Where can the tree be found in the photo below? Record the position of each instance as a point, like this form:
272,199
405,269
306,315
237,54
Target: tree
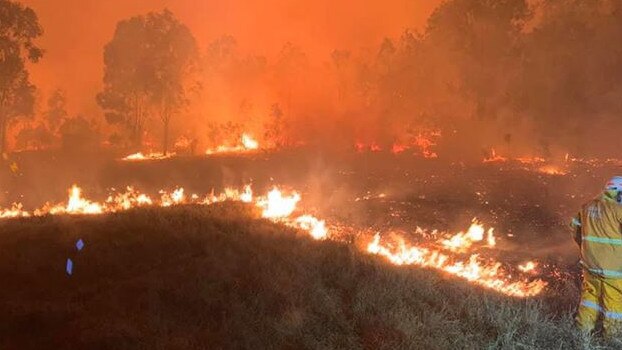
19,27
291,64
340,60
57,110
148,70
477,43
78,134
43,133
571,73
276,128
220,52
175,60
34,137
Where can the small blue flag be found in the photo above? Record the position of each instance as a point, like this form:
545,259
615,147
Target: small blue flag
69,267
80,244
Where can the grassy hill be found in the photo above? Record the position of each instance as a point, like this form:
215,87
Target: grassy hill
220,277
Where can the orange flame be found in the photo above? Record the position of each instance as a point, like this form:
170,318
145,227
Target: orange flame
487,274
148,156
445,254
494,157
277,206
246,144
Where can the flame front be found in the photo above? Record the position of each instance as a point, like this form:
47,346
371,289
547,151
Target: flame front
277,206
462,241
487,274
77,205
446,254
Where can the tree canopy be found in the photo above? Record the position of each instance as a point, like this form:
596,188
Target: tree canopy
148,73
19,28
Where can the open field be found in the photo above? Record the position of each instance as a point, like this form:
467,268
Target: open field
219,276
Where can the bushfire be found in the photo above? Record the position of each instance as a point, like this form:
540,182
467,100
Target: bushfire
245,145
442,255
452,254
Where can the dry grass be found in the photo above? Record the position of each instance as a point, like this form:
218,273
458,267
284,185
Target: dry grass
220,278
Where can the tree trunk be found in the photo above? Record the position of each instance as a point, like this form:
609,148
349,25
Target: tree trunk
135,136
166,121
3,123
166,133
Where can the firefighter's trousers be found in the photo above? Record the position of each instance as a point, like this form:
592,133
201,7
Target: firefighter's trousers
601,297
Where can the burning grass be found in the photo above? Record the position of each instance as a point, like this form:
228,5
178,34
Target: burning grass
140,156
282,208
220,276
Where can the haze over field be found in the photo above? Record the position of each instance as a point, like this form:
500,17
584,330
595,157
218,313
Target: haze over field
76,31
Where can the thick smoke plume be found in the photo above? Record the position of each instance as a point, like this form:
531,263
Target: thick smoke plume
524,77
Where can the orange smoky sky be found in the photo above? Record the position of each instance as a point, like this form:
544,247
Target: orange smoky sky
75,31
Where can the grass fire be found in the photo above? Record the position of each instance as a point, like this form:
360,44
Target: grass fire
399,174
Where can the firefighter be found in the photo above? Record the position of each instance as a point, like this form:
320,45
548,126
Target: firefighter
598,233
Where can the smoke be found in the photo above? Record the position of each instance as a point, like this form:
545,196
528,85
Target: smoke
74,41
524,77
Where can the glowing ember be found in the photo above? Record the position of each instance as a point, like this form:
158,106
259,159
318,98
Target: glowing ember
149,156
316,228
551,170
494,157
462,241
530,160
247,144
398,148
529,266
425,142
421,143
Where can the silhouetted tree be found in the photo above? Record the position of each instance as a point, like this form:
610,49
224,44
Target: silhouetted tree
44,132
19,27
56,110
479,41
34,137
275,128
148,66
78,134
291,63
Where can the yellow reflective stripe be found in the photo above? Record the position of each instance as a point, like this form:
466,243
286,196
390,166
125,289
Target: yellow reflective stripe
612,241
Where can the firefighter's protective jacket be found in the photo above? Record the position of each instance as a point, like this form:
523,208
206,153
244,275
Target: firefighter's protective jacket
598,231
